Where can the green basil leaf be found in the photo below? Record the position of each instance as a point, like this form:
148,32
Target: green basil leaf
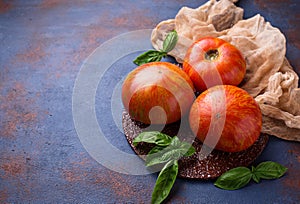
269,170
166,154
152,156
174,151
175,142
159,157
190,150
155,149
254,177
170,41
234,179
156,56
184,148
154,137
165,182
149,56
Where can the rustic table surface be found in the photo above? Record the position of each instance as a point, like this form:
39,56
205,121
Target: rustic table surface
43,45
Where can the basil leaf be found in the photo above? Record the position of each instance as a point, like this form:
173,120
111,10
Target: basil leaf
155,150
184,148
254,176
149,56
269,170
190,149
159,157
170,41
174,151
165,182
175,141
154,137
154,55
234,179
166,154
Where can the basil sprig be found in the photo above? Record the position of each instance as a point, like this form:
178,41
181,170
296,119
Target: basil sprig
156,55
174,151
239,177
168,151
154,137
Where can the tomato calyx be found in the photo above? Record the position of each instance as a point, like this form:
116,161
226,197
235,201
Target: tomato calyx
211,55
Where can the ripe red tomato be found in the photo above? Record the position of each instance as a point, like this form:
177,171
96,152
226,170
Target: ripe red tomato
157,93
213,61
226,117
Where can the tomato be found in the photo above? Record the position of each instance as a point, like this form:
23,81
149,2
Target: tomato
213,61
157,93
226,117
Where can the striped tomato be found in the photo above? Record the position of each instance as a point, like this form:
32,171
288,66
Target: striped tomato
226,117
157,93
213,61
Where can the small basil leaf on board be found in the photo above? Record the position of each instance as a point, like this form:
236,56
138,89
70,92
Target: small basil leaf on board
165,182
175,141
170,41
149,56
154,137
174,151
159,157
183,148
269,170
155,149
234,179
190,150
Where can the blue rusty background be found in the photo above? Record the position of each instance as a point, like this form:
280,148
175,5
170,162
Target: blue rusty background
42,47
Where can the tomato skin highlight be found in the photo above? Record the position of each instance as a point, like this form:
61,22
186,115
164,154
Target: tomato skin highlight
157,93
239,112
213,61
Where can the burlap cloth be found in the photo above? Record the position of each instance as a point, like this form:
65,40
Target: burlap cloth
270,79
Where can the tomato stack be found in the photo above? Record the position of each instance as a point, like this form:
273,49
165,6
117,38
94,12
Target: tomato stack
222,116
